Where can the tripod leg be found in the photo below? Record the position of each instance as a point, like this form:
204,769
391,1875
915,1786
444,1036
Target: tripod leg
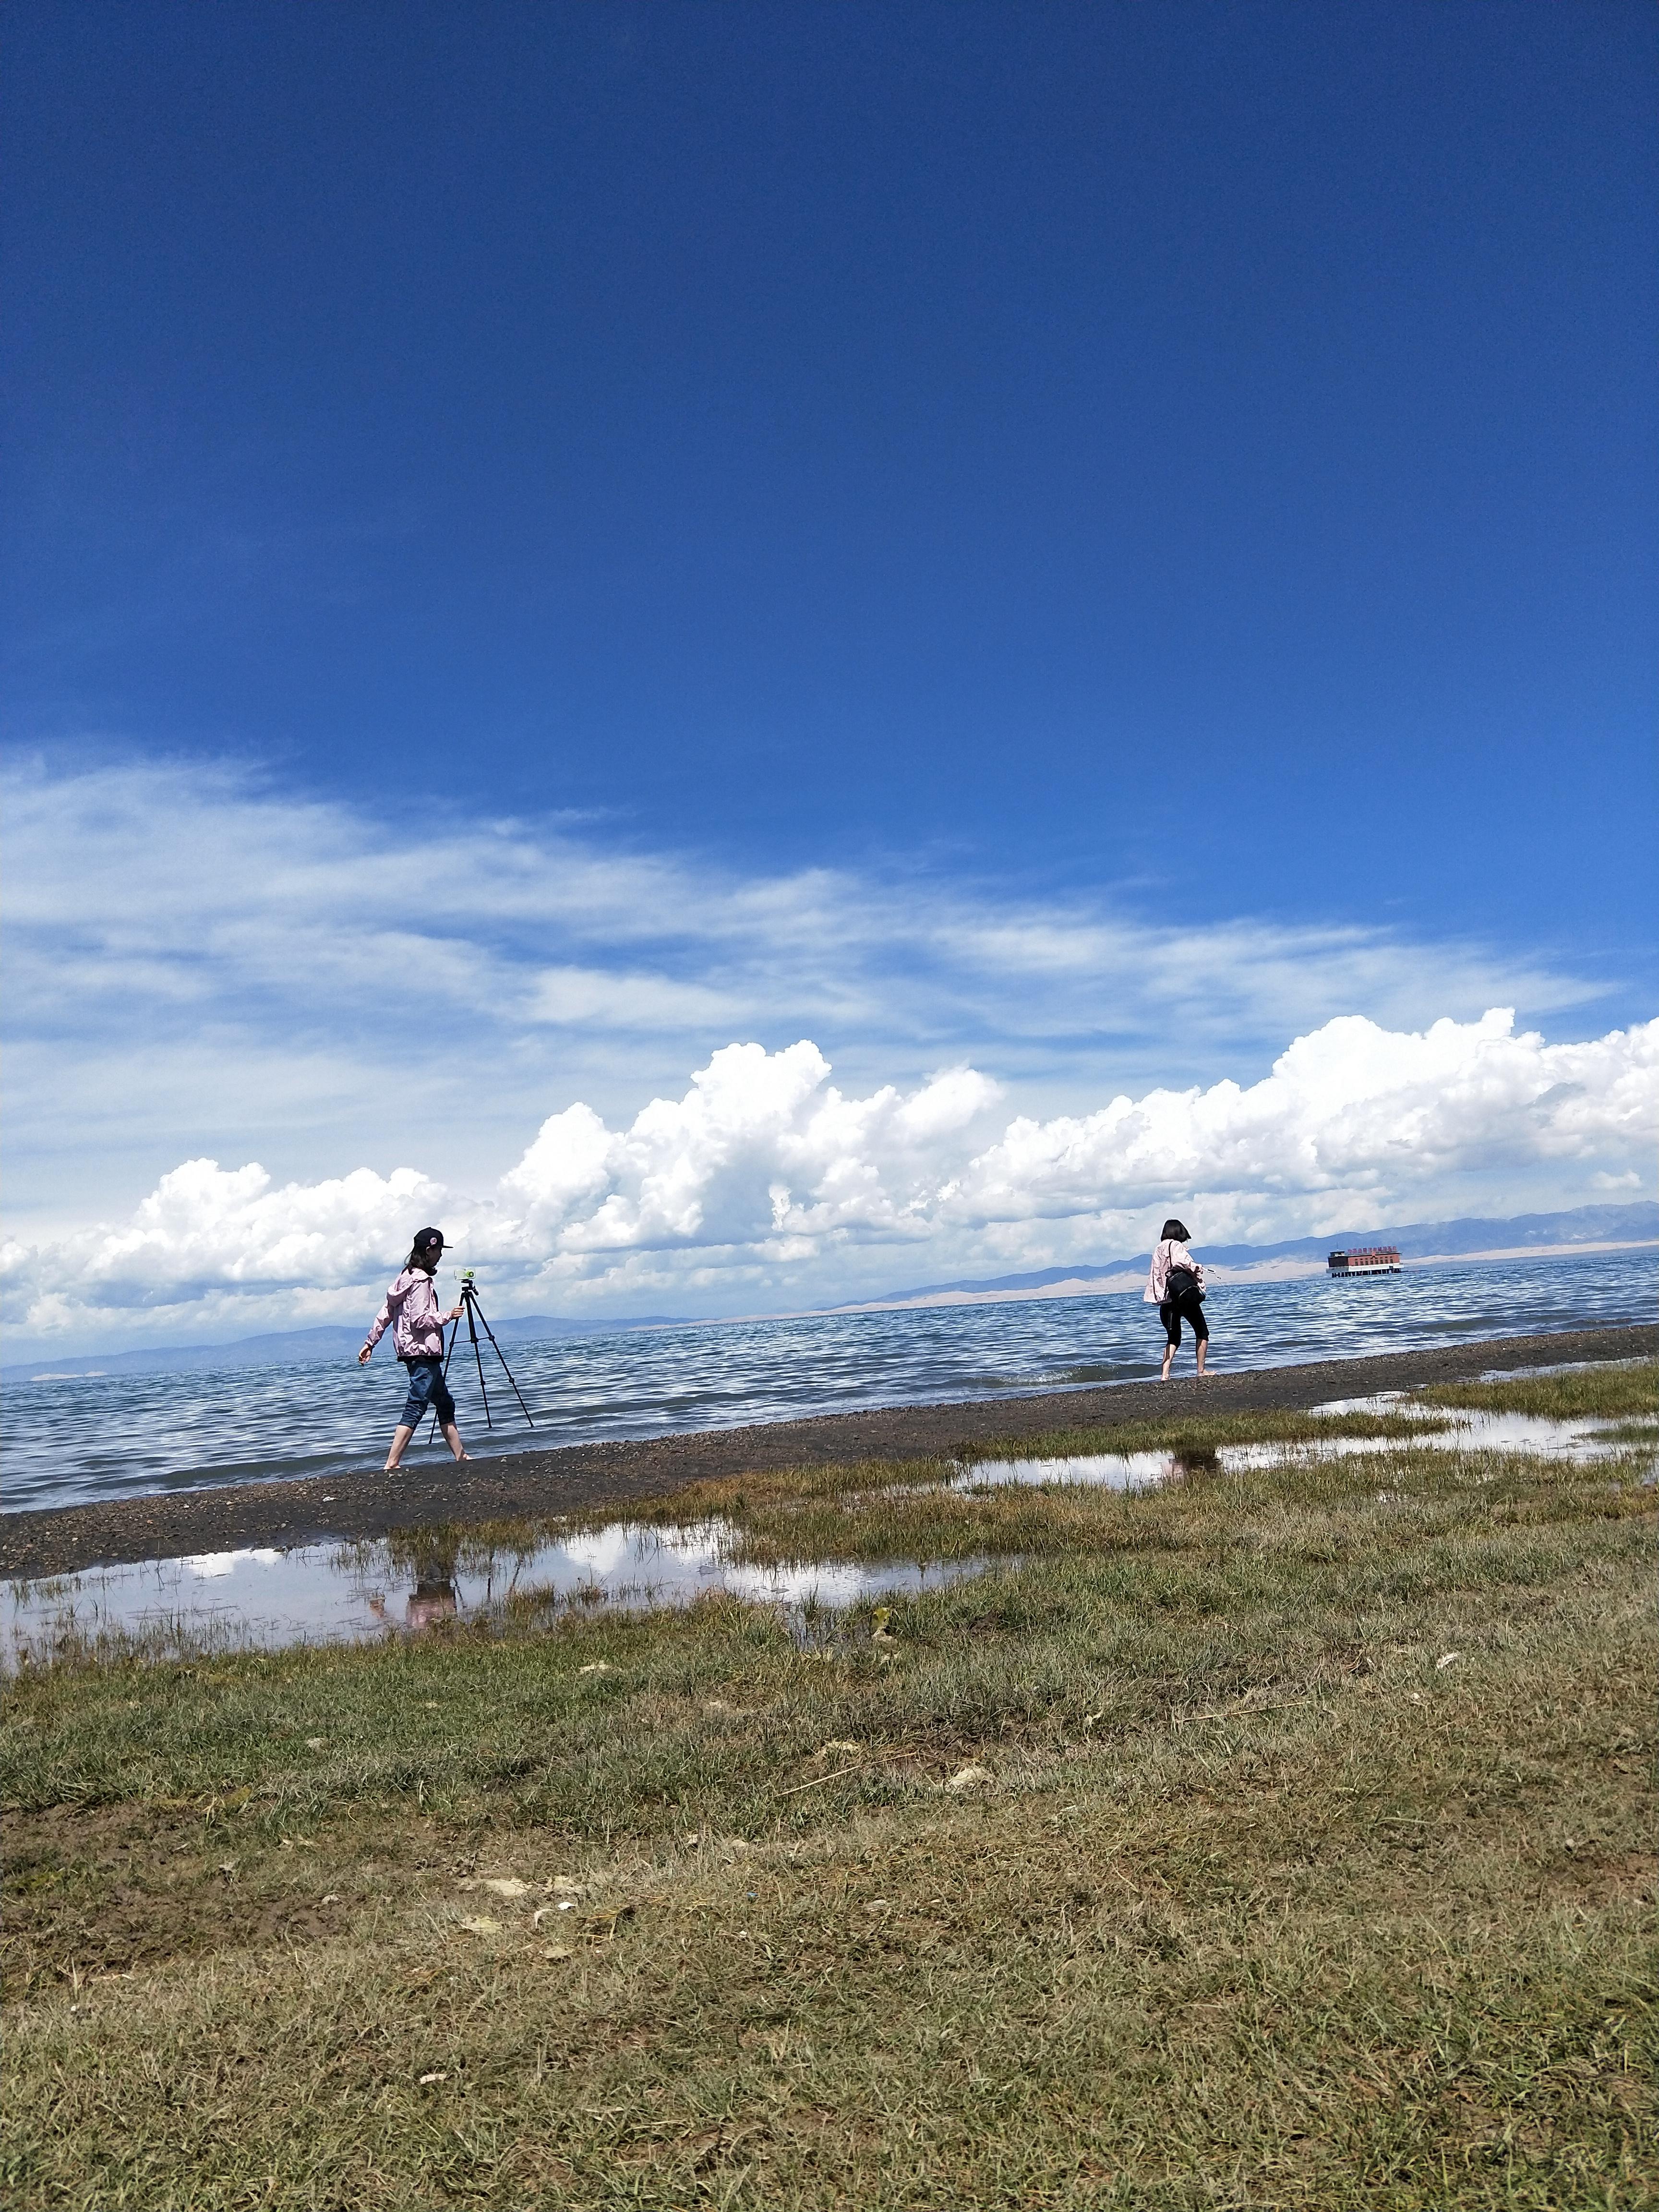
505,1369
472,1331
449,1348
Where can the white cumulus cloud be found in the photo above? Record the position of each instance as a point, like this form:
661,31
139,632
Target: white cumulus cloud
1355,1110
764,1182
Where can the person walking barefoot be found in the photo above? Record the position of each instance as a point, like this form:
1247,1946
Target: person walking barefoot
1175,1285
410,1308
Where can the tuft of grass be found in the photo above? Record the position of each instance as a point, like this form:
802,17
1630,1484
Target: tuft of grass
1620,1389
1270,1840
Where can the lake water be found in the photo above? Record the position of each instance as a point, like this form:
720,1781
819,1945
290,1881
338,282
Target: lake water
76,1438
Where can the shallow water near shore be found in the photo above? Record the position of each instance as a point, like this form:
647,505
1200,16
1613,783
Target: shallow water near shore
364,1593
1579,1441
263,1597
71,1440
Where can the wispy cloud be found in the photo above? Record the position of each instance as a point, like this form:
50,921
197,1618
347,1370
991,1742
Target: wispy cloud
201,961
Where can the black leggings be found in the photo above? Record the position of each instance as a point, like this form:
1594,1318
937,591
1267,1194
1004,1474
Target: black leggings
1192,1306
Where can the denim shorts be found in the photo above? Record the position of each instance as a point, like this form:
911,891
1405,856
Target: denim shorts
427,1393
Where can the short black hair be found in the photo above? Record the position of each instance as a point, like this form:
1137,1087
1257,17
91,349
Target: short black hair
1177,1229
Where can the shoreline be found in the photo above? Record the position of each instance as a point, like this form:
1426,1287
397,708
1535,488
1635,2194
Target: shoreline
319,1510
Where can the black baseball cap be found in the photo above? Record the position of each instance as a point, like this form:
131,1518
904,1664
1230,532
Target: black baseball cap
426,1238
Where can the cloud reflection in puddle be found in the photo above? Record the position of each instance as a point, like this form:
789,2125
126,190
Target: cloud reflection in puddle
261,1597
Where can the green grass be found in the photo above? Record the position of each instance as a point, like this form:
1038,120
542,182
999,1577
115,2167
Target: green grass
1628,1387
914,1509
1264,1898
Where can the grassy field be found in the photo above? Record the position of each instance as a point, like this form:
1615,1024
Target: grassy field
1281,1838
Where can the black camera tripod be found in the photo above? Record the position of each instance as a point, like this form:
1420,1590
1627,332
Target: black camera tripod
474,1315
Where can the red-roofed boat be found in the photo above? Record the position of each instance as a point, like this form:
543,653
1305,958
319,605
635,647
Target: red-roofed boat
1368,1260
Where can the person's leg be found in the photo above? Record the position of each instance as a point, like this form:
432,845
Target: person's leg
423,1373
444,1406
1171,1318
1201,1331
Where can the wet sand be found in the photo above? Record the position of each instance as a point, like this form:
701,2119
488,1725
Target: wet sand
65,1539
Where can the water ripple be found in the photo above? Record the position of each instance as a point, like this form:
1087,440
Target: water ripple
72,1439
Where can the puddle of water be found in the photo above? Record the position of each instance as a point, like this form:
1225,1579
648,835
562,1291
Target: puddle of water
1559,1367
1108,1470
1444,1430
262,1599
1453,1429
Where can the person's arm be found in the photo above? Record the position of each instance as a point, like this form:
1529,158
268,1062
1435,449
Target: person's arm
443,1319
377,1330
427,1309
382,1321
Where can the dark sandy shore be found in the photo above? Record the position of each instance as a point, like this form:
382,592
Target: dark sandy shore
67,1539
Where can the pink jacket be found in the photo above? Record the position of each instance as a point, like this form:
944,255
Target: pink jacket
1165,1255
412,1306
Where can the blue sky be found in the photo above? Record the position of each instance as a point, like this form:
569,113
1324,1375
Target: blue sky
1087,541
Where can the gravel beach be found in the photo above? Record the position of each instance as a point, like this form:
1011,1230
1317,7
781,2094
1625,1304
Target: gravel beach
585,1477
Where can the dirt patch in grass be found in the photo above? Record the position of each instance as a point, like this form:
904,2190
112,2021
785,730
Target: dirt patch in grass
92,1890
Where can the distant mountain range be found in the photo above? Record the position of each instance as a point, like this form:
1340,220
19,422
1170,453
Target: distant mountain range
297,1346
1584,1224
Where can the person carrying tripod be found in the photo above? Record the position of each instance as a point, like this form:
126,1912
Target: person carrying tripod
417,1336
